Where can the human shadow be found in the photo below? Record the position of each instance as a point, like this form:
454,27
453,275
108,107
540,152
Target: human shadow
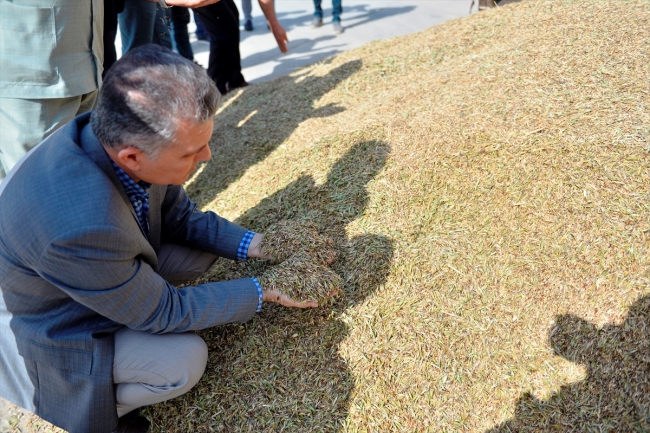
303,52
258,122
281,371
615,395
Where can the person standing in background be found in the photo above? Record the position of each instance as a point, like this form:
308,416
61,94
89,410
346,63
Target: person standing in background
52,66
180,35
247,8
162,27
137,22
51,70
221,21
170,30
200,33
337,9
111,9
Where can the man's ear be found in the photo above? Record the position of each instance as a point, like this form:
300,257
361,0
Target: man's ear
131,158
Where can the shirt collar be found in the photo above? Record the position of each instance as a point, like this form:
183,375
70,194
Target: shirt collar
132,188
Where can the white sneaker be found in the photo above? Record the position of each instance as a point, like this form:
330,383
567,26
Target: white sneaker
316,22
338,29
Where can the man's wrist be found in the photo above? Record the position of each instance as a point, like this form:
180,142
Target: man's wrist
244,245
260,294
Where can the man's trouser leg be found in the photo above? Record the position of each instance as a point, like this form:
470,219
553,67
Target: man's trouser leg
318,10
26,122
247,9
161,28
337,10
151,368
181,38
136,23
221,21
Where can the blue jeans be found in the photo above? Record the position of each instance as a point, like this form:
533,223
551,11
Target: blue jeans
161,28
337,10
136,23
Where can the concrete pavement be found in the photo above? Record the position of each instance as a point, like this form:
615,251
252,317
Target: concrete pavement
363,20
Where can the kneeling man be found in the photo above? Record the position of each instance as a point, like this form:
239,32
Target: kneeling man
95,232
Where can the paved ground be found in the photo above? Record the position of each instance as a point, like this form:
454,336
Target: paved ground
364,21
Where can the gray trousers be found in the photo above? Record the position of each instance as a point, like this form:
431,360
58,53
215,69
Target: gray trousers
247,9
26,122
151,368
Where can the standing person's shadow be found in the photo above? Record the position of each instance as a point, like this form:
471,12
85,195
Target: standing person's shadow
281,371
614,397
257,122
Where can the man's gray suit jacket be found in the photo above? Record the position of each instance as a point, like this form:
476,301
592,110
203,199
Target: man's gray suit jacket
75,267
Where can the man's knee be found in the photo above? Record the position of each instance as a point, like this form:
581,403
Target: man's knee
197,360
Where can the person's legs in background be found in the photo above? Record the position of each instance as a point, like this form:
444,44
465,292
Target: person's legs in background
162,28
221,21
136,23
337,10
200,33
111,9
318,14
26,122
247,9
180,36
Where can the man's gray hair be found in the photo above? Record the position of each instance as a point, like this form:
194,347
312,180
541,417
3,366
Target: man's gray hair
145,97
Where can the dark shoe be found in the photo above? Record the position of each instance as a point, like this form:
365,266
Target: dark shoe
230,88
132,422
248,26
316,22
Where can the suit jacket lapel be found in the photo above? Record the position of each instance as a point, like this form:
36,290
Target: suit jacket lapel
156,197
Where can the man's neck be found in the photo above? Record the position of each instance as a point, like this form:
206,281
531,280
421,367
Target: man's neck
113,156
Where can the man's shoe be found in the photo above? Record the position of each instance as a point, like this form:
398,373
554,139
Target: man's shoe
338,28
316,22
248,26
132,422
230,87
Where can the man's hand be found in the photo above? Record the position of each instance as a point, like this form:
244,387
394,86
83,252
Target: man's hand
189,3
254,248
280,298
280,36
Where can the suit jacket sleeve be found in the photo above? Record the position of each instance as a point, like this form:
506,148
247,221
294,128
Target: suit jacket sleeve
125,288
183,223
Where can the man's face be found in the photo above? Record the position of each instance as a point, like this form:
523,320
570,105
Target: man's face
177,162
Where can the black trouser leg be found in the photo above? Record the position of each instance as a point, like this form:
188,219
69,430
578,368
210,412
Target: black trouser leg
221,21
111,9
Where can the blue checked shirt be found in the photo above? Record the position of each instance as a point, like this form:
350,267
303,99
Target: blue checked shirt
139,197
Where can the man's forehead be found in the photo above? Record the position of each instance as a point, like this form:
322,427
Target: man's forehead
192,135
